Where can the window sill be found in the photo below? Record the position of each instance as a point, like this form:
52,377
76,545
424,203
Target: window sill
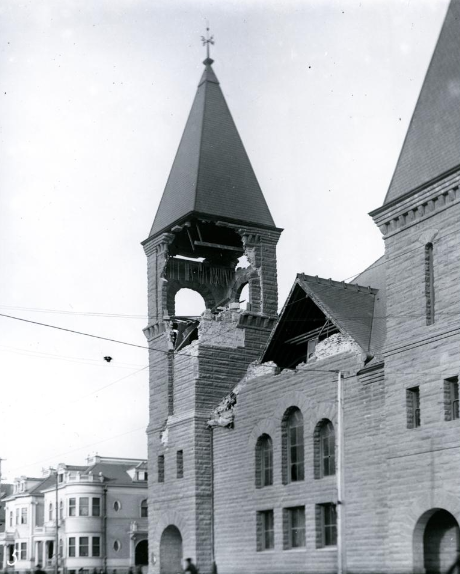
302,549
327,548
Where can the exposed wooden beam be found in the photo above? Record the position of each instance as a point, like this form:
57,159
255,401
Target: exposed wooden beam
219,246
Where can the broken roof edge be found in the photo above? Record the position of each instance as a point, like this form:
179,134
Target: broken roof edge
340,284
275,326
217,219
332,316
301,280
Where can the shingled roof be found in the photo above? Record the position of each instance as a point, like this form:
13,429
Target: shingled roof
351,307
356,309
211,174
432,144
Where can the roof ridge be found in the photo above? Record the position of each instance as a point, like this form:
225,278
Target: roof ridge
339,284
200,144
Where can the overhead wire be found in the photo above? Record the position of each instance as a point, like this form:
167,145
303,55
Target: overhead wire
374,266
398,255
151,371
77,313
407,252
230,327
75,332
52,356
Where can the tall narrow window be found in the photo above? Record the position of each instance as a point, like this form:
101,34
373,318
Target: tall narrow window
180,464
23,515
161,468
72,506
71,547
264,461
293,448
327,449
429,284
326,525
265,530
23,550
293,527
96,546
96,506
324,449
144,509
83,506
451,410
413,407
50,511
83,546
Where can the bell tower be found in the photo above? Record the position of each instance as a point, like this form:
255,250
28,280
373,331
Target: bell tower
213,233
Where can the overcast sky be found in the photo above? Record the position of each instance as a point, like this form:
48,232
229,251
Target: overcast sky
94,97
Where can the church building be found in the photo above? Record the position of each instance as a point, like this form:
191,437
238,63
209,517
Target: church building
325,438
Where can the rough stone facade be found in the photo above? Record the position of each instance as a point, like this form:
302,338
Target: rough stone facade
186,384
326,439
421,463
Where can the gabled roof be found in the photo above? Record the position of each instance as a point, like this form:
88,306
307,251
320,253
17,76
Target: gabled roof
350,307
45,484
317,308
432,144
211,174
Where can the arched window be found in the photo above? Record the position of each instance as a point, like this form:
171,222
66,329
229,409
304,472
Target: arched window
189,303
144,509
244,297
324,449
264,461
292,446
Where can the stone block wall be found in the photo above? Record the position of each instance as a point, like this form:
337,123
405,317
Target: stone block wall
203,373
261,405
421,462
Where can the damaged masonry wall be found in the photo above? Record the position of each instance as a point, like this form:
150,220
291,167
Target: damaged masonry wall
333,345
223,415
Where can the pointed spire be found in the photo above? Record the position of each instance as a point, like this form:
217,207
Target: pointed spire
208,74
211,175
432,144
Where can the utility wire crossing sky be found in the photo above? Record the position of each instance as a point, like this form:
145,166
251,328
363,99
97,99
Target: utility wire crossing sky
95,96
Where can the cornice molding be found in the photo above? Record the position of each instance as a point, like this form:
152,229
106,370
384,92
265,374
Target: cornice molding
419,206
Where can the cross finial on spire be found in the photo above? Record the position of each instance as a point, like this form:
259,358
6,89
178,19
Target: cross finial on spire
206,41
